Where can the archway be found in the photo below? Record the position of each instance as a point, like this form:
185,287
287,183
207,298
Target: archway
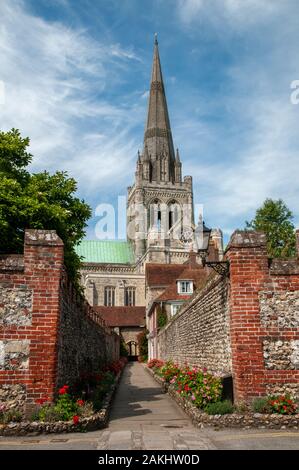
132,350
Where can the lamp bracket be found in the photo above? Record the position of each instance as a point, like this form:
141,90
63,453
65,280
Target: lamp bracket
221,267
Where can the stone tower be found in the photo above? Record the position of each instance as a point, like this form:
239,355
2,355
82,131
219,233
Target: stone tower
160,216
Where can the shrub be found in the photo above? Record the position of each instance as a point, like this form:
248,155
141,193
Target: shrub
123,352
282,404
143,344
101,390
168,371
8,416
198,385
115,367
161,317
47,413
261,405
155,364
242,407
219,408
71,406
65,405
142,358
86,409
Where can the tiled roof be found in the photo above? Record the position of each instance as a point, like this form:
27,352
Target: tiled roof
195,275
192,274
171,293
162,274
122,316
105,251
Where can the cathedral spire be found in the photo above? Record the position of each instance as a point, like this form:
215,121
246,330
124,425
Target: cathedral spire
157,136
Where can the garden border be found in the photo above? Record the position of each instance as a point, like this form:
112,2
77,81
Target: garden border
234,420
97,421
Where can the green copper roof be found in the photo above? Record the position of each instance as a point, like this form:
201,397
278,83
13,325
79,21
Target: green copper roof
105,251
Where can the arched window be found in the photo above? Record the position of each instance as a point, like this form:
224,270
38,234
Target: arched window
155,214
109,296
159,219
130,296
173,213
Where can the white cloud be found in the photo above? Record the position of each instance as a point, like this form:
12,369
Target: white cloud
55,78
261,165
248,147
233,11
189,9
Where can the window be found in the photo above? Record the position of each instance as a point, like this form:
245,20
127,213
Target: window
185,287
155,214
109,297
170,219
174,309
159,219
130,296
173,213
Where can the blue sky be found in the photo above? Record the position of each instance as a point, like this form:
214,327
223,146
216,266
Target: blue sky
76,75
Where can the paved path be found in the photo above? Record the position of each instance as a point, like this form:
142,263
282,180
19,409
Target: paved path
144,418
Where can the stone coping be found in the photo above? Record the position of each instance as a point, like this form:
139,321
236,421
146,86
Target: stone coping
234,420
98,420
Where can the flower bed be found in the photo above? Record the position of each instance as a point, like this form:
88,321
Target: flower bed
199,386
199,394
83,407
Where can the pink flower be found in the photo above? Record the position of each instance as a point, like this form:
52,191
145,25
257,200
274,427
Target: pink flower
193,398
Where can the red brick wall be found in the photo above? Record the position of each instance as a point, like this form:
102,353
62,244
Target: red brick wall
255,279
30,314
42,267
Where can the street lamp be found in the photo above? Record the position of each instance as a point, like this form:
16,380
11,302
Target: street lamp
202,236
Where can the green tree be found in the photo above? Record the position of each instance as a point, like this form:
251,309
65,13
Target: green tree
275,219
143,345
14,157
161,317
37,201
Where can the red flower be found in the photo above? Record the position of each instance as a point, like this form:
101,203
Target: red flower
63,390
80,402
41,401
76,419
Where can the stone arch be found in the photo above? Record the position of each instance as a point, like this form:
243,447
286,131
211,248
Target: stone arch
154,212
132,347
173,212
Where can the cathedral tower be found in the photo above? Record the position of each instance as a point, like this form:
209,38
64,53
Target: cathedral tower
160,204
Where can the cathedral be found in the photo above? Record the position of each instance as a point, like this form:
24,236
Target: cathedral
160,227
